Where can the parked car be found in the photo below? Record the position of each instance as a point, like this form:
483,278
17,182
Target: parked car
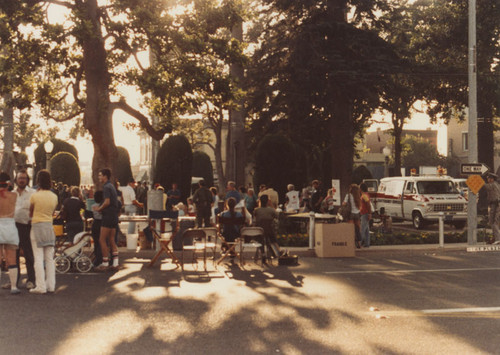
462,187
422,200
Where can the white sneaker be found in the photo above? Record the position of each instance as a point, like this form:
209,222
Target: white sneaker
38,291
497,242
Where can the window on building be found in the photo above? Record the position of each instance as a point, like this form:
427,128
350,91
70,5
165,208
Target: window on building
465,141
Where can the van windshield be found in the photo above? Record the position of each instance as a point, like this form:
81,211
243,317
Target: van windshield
436,187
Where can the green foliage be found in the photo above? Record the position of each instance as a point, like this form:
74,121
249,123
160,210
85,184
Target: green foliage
64,168
174,164
379,238
202,167
323,78
275,163
123,170
59,146
418,152
361,173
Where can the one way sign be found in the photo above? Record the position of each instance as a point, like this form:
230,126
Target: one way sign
473,169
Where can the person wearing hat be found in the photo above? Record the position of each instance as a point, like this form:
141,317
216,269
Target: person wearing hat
493,195
130,203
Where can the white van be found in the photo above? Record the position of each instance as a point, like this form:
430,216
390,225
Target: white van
422,199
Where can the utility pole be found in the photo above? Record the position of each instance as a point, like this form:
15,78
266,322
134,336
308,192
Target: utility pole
473,156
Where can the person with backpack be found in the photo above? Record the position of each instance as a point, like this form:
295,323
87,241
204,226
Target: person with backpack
203,200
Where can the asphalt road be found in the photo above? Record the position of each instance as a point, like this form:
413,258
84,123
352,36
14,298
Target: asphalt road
442,303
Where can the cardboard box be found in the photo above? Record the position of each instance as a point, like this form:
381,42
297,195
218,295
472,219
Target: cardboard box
334,240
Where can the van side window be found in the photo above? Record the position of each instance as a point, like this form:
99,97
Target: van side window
409,188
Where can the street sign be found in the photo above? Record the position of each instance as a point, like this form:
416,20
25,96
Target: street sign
475,183
473,169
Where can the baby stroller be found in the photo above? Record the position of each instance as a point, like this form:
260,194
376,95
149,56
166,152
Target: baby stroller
78,254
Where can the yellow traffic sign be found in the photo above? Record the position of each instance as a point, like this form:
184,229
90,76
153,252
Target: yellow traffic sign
475,183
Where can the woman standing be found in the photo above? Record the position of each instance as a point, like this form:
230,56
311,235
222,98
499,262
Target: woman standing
9,238
70,212
354,198
366,215
42,206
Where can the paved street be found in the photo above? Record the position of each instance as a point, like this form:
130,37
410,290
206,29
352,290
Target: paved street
429,301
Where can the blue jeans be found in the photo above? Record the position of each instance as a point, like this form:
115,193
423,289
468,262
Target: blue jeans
365,229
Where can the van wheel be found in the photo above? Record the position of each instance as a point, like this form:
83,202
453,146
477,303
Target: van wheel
459,225
418,220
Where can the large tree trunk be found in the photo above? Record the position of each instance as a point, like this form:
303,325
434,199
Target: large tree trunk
236,148
98,113
8,163
217,126
341,130
397,122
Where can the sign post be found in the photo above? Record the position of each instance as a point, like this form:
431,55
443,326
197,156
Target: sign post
472,116
474,169
475,182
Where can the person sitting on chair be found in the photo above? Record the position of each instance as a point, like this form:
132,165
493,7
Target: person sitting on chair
230,231
265,217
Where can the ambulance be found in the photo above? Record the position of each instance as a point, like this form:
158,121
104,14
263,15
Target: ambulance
422,200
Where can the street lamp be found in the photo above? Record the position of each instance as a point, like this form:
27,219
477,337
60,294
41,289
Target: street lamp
49,146
387,152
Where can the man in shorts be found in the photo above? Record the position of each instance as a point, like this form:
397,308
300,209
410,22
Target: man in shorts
110,209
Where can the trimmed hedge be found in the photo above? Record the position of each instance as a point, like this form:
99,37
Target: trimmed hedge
64,168
123,169
174,164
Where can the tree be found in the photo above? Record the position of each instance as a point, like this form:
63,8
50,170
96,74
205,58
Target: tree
361,173
123,169
418,152
174,164
202,167
324,76
87,59
403,88
64,168
275,163
440,42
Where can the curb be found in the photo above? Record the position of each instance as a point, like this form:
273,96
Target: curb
376,250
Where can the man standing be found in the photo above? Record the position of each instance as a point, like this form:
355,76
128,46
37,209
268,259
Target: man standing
317,196
130,203
493,191
203,200
231,191
173,196
272,194
109,209
23,224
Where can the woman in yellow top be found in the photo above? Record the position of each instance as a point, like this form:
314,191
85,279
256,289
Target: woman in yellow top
42,206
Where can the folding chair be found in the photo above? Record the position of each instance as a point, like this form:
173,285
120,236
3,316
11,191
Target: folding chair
194,240
211,240
230,246
252,237
161,235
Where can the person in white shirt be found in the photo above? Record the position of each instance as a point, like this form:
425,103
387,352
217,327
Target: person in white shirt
130,202
23,224
292,199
